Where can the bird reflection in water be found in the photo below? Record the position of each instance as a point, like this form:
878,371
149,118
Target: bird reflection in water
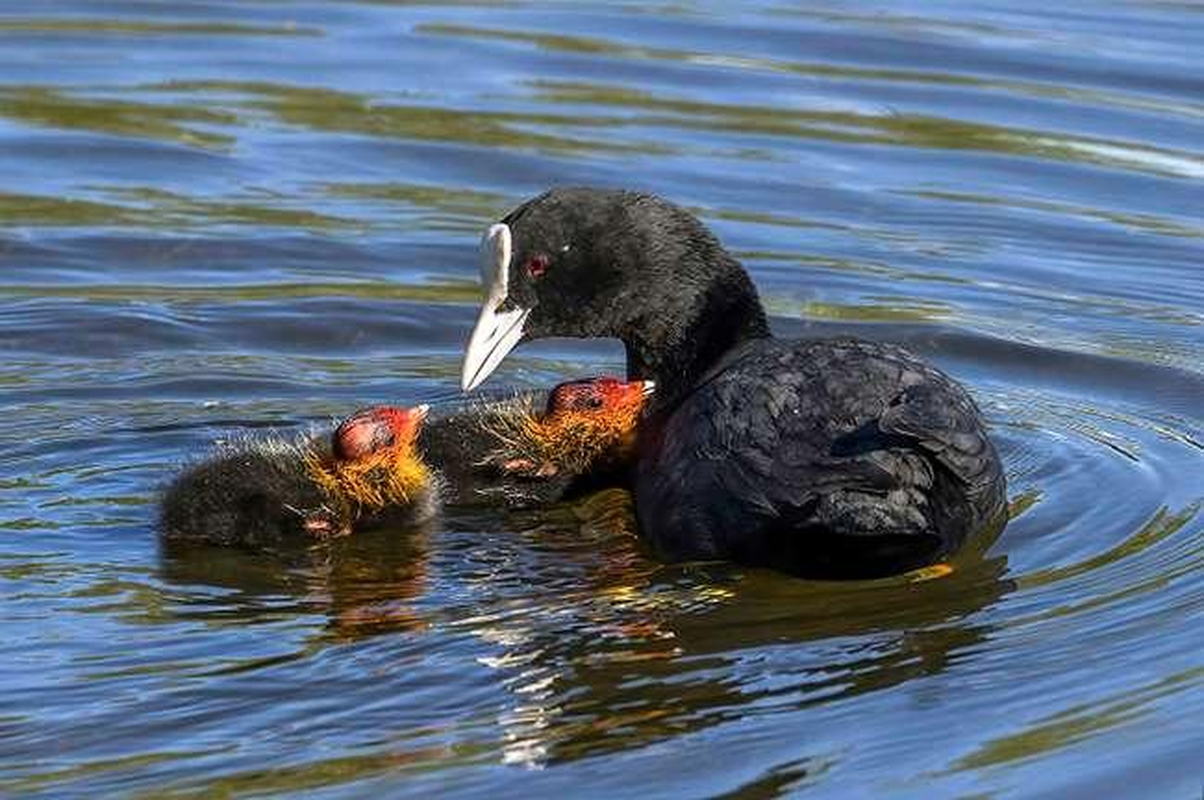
598,647
365,585
615,651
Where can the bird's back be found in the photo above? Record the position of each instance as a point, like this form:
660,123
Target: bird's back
826,457
462,445
252,493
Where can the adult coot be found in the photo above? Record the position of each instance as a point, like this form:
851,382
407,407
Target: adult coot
824,457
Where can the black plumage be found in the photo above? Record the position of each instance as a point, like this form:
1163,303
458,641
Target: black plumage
476,446
456,439
826,457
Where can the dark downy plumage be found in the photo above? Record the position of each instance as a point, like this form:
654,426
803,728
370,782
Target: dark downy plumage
258,493
827,457
249,493
379,468
534,448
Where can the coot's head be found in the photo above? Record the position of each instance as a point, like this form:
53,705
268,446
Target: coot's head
586,262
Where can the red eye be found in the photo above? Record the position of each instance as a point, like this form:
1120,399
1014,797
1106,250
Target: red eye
537,265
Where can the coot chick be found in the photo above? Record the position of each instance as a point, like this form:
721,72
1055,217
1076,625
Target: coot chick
525,451
387,466
821,457
261,492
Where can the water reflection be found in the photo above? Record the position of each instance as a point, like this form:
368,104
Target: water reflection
911,130
54,108
365,585
616,651
660,652
332,110
52,25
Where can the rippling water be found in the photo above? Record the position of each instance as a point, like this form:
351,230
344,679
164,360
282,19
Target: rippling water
224,216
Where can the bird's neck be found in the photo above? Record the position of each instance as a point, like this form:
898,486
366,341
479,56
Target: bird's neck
678,344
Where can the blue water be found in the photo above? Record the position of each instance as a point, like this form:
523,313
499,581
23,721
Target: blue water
226,217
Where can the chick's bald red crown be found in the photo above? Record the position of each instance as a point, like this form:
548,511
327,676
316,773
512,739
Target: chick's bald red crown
372,430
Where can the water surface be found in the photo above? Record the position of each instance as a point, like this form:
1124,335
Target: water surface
224,217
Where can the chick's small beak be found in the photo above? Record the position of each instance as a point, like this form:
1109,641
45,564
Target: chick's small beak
496,332
637,393
409,422
633,394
